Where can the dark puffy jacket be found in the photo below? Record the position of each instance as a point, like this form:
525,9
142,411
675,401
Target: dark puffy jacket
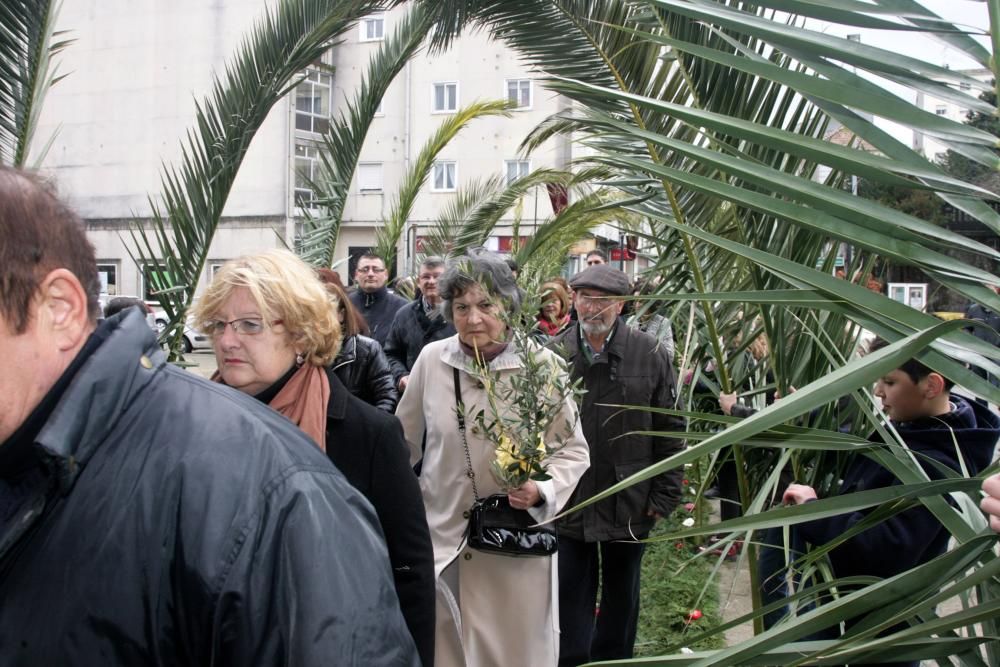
411,331
634,371
179,522
378,308
368,447
363,368
914,536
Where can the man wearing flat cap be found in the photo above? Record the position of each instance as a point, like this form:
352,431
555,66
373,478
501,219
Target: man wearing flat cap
597,545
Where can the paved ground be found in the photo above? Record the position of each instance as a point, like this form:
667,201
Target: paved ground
203,362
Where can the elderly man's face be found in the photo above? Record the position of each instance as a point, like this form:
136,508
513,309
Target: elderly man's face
428,282
597,310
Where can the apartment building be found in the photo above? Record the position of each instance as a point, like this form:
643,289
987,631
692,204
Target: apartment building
947,109
136,70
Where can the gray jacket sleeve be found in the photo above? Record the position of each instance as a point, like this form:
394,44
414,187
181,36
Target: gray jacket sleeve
309,583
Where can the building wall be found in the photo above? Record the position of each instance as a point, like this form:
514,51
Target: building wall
136,70
932,149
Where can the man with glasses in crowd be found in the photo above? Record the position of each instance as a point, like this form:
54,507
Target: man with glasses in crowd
372,298
597,545
417,324
148,516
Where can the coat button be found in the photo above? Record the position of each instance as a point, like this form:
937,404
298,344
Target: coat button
146,362
467,556
466,514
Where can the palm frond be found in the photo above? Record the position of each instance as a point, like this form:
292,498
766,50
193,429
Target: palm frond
340,147
282,43
28,44
387,236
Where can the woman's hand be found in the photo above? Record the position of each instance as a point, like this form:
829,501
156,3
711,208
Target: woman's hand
991,503
796,494
727,401
524,496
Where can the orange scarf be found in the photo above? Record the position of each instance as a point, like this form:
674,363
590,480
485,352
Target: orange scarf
303,400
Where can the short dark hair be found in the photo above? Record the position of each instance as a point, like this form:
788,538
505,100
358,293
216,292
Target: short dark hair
120,303
369,255
432,262
600,253
39,234
479,268
913,368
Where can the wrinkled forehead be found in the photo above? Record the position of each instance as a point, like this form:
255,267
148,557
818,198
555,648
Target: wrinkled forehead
364,263
592,293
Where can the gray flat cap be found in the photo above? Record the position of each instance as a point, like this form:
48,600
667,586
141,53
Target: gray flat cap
602,277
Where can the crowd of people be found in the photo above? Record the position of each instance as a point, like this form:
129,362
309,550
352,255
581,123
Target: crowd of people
311,503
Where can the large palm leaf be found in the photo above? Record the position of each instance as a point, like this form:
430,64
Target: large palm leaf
713,120
283,42
390,231
341,146
28,43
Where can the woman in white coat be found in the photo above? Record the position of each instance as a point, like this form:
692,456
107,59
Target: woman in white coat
492,609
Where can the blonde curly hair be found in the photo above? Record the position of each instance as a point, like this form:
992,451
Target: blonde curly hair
285,288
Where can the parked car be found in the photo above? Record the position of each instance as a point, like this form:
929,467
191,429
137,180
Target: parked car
193,340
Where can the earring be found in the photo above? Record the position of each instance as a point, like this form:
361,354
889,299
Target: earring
299,359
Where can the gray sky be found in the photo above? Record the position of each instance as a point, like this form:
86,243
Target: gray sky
963,13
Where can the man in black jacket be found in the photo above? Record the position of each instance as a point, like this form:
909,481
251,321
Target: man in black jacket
372,298
417,324
147,516
619,366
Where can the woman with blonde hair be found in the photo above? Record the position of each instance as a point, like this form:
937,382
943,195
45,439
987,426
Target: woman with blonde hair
275,331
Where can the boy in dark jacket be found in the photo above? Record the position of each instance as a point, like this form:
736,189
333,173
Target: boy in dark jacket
939,428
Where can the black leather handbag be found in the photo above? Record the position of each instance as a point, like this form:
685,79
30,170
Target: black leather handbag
495,526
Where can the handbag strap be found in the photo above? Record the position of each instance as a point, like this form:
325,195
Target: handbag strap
460,411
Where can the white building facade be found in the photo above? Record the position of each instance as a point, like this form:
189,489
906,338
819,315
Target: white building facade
948,109
136,70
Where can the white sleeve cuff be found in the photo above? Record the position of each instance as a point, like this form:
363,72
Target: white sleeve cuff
546,510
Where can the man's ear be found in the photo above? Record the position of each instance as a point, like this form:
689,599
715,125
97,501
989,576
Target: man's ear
62,309
933,385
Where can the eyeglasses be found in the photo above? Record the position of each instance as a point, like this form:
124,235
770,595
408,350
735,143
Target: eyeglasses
369,269
587,300
244,326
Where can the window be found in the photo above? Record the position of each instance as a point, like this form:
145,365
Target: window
373,28
213,267
445,97
155,278
519,92
107,273
370,176
444,177
516,169
306,168
941,110
379,110
313,102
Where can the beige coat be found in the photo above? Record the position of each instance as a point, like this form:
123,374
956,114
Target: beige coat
492,610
